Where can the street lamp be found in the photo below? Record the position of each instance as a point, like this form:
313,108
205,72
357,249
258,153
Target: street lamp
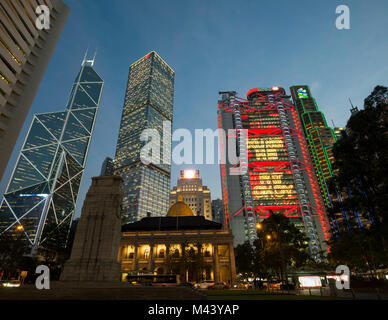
268,237
19,228
258,226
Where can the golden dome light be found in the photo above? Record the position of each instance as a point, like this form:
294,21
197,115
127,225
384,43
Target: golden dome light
179,209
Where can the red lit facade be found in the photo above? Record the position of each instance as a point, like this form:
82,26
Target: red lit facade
280,177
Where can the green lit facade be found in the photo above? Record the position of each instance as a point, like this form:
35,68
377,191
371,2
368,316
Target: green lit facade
42,191
148,105
320,137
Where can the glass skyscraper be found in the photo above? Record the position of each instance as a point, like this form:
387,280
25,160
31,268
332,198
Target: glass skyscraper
43,189
148,105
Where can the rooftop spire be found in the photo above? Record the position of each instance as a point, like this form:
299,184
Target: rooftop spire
86,61
353,109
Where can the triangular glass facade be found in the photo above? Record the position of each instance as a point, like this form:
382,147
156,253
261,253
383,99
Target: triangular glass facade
44,185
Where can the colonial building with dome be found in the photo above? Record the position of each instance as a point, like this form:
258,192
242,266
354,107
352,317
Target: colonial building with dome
179,243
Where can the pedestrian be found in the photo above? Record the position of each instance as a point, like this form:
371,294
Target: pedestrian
332,287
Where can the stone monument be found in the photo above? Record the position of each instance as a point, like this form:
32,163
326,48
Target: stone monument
94,256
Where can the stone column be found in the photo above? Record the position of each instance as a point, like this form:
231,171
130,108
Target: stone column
120,253
232,263
167,258
216,263
94,256
151,263
135,259
199,246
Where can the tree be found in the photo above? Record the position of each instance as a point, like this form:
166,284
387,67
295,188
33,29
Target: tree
12,249
283,245
360,165
280,245
359,249
244,259
56,246
195,262
190,260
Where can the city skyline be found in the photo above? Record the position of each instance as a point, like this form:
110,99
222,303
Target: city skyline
202,73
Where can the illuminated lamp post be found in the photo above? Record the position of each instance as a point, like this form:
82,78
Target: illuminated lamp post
268,236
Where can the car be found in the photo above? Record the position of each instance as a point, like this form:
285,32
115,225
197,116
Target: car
220,285
241,285
186,284
275,285
11,284
206,284
289,286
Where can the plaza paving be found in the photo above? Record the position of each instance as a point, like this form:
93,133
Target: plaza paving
120,292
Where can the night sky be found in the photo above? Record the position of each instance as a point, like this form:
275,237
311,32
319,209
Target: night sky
215,46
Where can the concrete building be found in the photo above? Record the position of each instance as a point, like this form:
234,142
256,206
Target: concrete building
25,53
191,191
339,132
107,167
218,211
158,245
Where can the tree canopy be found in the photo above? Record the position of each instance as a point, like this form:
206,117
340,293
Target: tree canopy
279,247
361,176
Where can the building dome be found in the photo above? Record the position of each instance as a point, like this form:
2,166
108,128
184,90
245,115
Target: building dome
179,209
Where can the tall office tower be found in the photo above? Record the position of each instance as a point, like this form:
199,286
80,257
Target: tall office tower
319,136
218,211
148,104
320,139
25,52
107,167
43,189
191,191
279,177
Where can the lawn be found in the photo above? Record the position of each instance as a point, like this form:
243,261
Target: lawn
258,295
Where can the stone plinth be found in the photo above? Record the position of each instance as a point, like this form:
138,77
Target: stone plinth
94,255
